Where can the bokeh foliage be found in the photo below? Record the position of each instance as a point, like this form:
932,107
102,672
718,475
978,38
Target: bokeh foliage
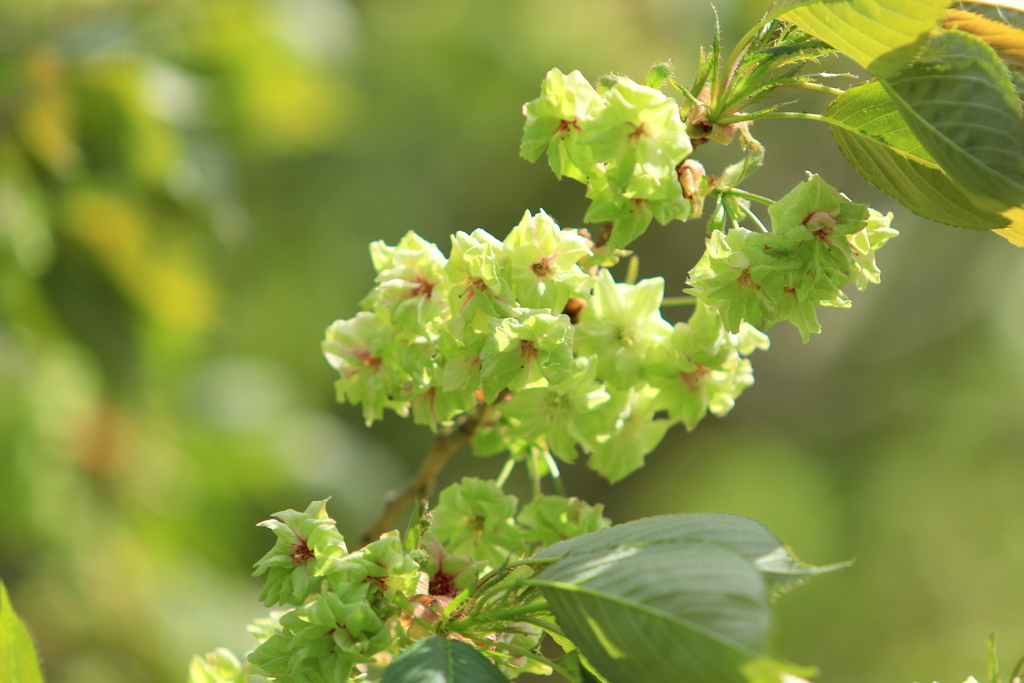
187,191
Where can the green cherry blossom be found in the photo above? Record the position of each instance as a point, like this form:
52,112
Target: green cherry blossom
741,276
620,325
532,351
700,369
542,263
478,289
368,356
549,519
554,121
563,415
306,542
474,517
411,281
865,242
635,433
639,125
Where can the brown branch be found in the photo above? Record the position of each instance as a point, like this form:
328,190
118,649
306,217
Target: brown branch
445,445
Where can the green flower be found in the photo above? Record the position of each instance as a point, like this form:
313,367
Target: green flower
554,121
533,351
639,125
635,433
607,204
700,368
549,519
865,242
447,574
742,275
475,517
542,263
383,565
369,358
322,641
620,325
478,289
813,220
306,541
411,282
219,666
563,415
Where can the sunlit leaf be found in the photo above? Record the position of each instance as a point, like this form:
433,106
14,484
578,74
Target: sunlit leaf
1007,40
18,660
685,610
880,35
439,660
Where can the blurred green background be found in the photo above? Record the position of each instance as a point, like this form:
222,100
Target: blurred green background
187,190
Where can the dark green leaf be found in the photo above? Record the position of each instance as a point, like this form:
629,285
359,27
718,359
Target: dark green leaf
18,660
883,150
959,102
747,536
439,660
683,610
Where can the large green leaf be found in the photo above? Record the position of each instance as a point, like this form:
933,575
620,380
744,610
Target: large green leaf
692,611
18,660
959,102
880,35
749,537
439,660
883,150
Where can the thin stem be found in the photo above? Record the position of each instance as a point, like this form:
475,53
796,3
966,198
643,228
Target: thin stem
749,195
792,115
679,301
444,447
504,614
546,625
556,474
633,270
489,644
752,216
506,471
820,87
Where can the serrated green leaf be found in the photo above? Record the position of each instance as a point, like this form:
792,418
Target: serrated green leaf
958,100
880,35
18,660
439,660
747,536
883,150
685,610
878,144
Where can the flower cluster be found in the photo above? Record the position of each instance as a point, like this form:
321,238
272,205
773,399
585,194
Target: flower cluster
345,604
487,325
819,242
475,519
626,144
539,340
